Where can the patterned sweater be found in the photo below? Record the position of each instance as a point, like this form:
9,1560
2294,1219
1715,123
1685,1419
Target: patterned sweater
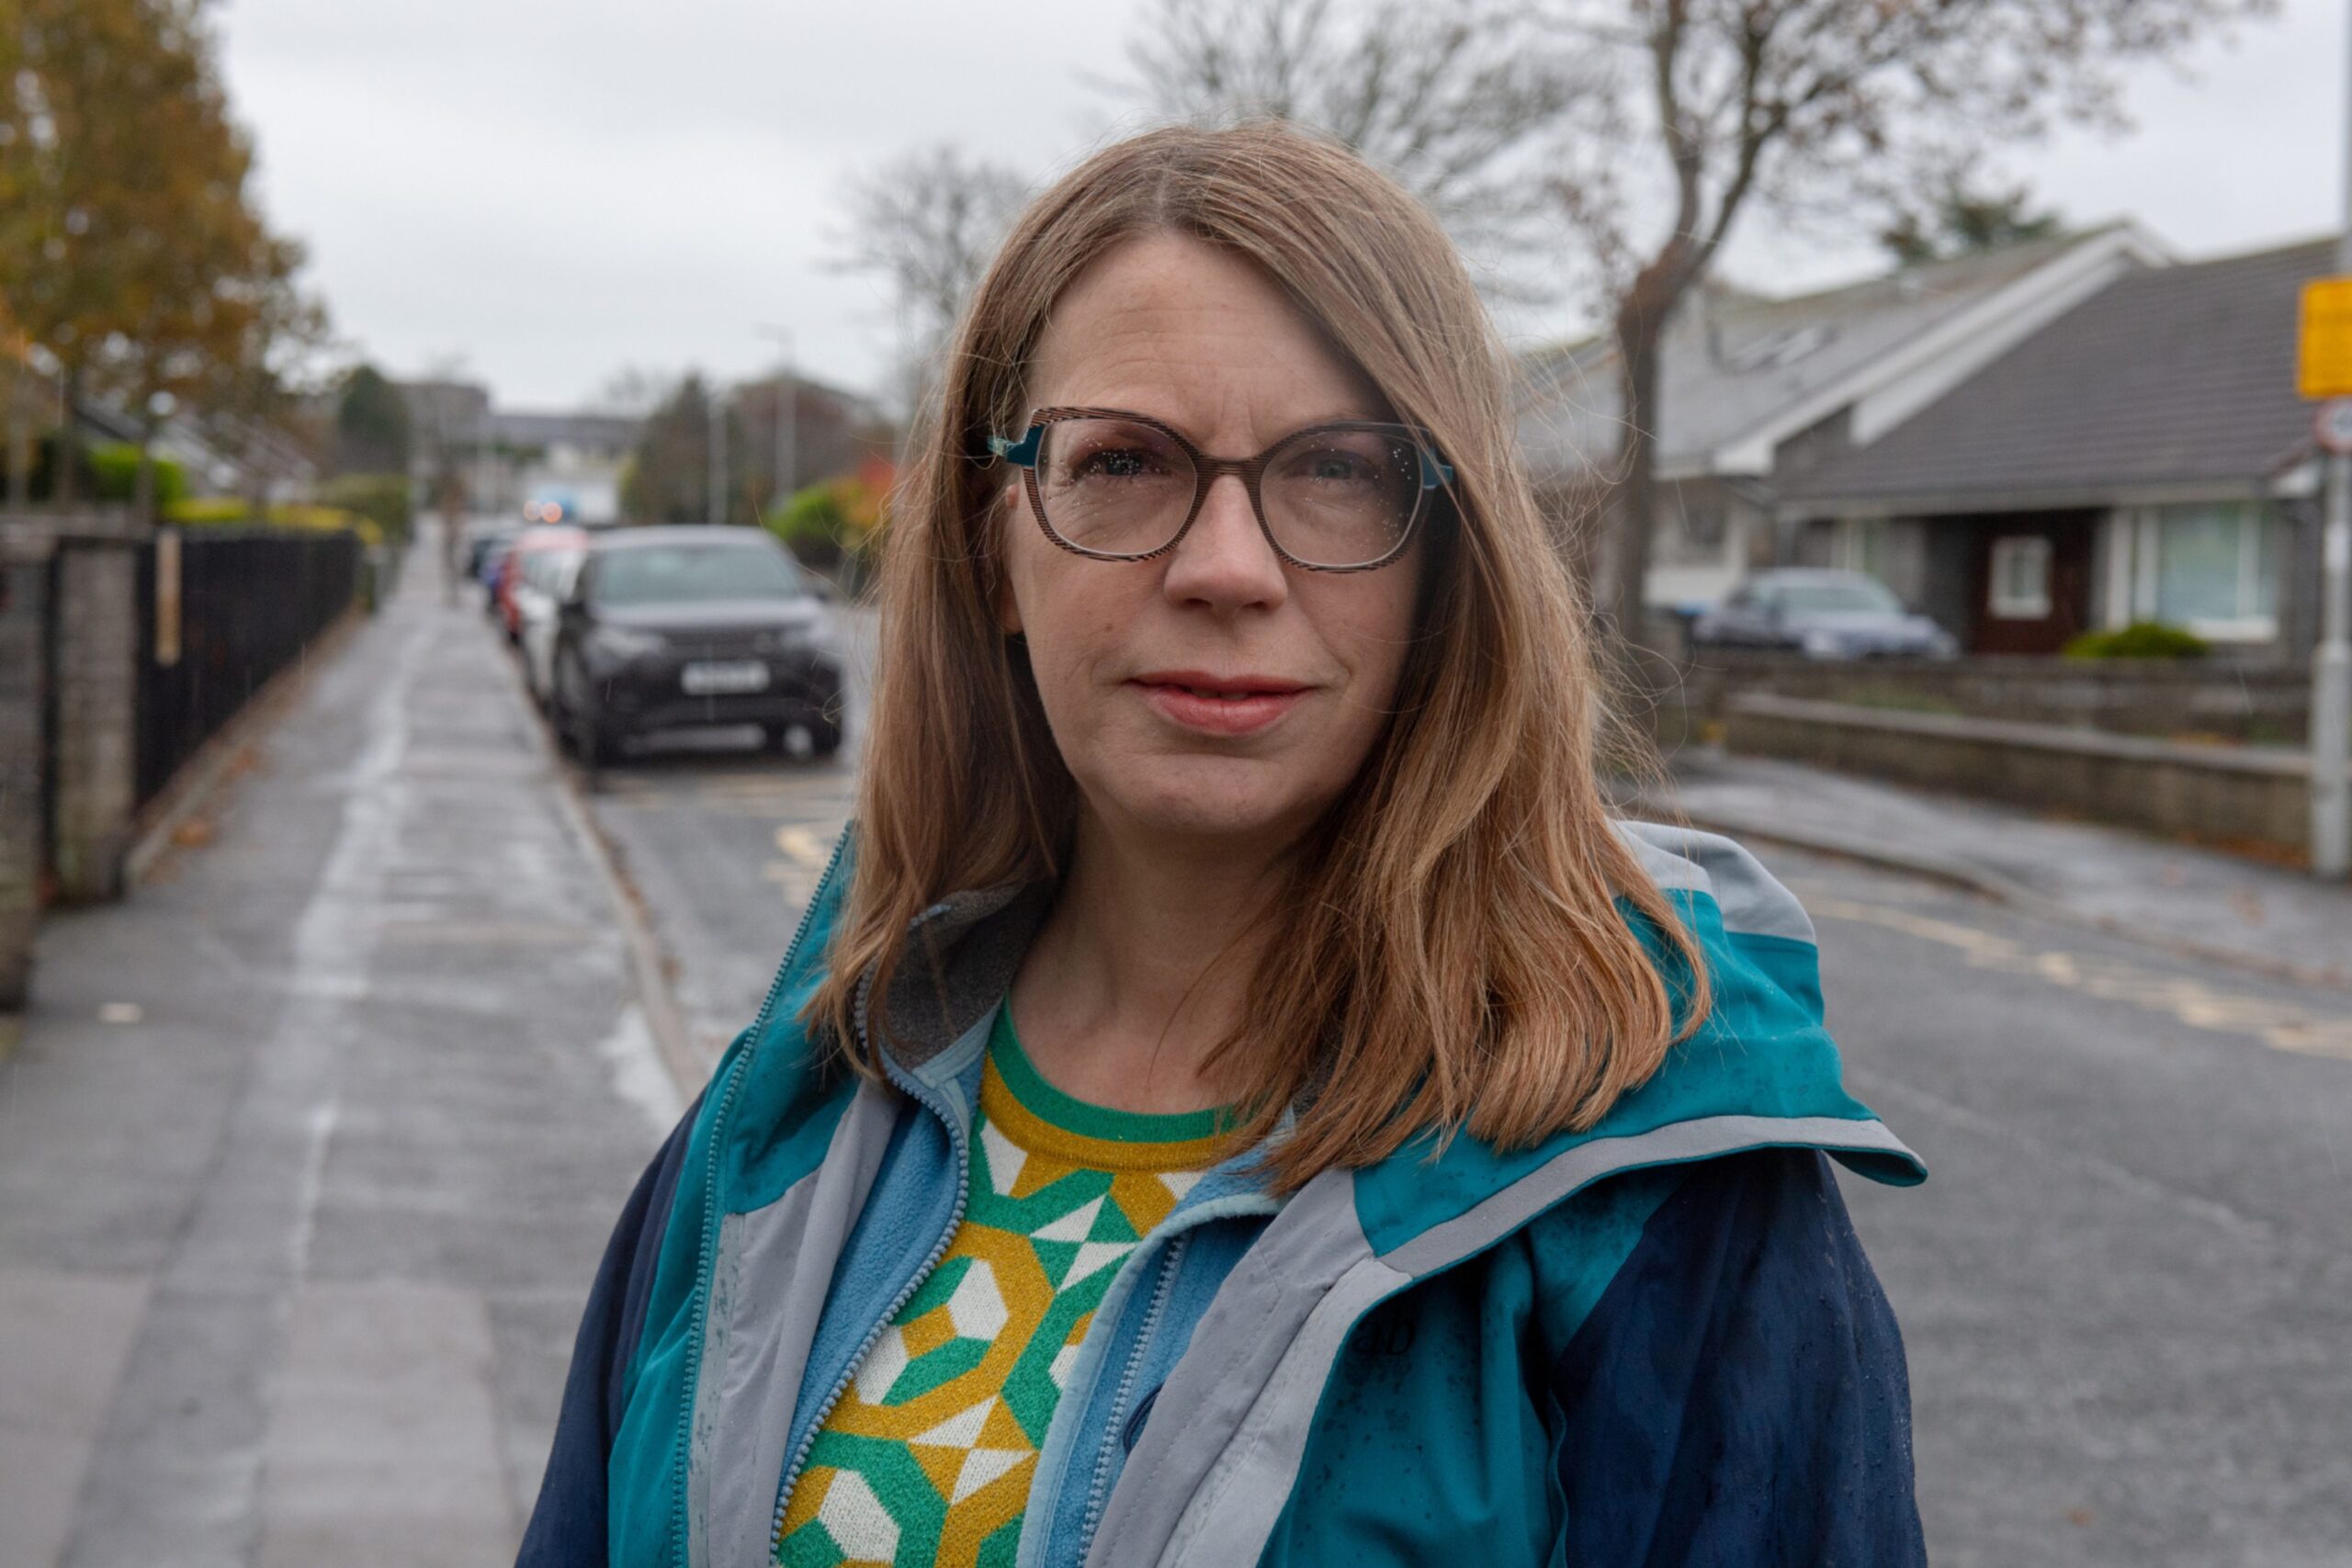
929,1455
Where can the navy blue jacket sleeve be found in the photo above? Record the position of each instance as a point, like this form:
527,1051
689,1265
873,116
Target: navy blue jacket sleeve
1737,1398
567,1528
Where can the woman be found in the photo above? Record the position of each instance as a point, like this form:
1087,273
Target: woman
1236,1096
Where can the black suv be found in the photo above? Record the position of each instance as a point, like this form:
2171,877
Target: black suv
671,627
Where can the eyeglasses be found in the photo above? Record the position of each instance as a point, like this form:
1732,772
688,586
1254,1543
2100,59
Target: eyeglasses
1119,486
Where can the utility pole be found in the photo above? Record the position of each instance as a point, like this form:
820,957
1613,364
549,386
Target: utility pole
717,425
2332,662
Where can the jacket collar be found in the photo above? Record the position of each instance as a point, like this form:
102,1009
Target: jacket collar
1762,1071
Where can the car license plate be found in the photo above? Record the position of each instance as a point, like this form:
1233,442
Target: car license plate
719,679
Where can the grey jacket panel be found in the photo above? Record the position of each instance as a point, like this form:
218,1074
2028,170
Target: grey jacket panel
1685,859
1241,1350
768,1285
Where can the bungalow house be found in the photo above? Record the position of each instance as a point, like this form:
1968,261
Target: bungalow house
2141,457
1749,381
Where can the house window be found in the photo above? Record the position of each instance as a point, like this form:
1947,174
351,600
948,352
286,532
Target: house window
1860,545
2211,567
2020,577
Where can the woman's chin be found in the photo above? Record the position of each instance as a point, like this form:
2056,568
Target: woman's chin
1186,805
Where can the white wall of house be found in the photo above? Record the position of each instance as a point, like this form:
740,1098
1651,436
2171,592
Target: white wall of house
2215,566
1709,535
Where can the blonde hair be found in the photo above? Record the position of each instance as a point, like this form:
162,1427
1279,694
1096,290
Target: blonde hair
1449,951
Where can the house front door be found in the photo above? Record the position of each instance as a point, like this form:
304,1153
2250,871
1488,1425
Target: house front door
2031,581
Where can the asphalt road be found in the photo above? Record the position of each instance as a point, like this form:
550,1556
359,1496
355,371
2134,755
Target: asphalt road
2127,1288
723,844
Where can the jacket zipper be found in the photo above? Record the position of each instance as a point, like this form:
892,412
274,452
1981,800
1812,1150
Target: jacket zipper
707,1257
961,1140
1096,1492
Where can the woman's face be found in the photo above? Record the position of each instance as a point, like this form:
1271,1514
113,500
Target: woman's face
1138,662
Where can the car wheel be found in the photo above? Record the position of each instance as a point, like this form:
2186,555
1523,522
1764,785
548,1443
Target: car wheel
824,737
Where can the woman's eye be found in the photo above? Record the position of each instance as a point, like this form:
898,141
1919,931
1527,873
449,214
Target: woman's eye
1116,463
1338,468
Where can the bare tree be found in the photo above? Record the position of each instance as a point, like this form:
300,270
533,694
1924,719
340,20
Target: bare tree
1452,98
927,223
1652,126
1836,109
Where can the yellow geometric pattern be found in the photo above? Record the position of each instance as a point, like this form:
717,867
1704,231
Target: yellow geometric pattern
929,1453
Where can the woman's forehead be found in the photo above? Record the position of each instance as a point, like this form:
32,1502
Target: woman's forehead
1194,334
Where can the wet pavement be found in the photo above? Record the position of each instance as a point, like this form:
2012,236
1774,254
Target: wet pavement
2195,900
309,1148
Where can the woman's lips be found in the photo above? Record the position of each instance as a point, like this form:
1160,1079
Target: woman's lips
1218,706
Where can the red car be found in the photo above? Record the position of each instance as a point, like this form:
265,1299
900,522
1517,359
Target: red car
530,540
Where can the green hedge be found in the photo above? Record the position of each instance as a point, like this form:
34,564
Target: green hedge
383,498
2141,639
114,470
229,511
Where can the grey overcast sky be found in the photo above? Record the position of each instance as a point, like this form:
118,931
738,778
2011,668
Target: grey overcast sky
544,191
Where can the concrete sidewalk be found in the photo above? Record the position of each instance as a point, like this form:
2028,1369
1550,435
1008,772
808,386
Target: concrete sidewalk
311,1146
2194,901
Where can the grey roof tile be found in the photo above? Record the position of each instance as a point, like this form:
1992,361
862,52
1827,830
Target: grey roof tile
1733,360
2178,376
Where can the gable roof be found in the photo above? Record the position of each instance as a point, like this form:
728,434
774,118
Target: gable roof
2170,378
1740,372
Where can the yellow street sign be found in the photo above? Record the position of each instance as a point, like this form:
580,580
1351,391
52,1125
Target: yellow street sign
2323,349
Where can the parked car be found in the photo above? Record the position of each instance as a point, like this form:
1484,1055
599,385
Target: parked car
1822,614
542,583
505,592
486,550
673,626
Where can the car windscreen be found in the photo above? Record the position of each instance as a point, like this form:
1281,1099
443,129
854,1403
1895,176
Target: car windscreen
670,574
1837,598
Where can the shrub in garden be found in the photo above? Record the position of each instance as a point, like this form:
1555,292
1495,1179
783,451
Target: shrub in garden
830,524
114,474
383,498
2141,639
230,512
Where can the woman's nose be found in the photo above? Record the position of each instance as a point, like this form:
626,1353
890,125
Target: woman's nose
1225,560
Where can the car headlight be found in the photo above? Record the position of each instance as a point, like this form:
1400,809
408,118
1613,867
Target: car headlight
1822,644
626,642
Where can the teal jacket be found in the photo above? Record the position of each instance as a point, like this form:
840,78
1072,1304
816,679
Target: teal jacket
1654,1342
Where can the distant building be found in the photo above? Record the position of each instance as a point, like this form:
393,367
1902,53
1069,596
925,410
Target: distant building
1753,388
2141,457
508,458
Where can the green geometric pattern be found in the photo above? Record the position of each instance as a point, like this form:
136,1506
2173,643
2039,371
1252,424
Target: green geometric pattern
928,1455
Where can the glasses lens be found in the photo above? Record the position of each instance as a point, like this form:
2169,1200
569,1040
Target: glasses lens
1343,497
1113,487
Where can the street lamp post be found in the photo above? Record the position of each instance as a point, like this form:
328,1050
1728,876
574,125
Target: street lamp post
717,445
787,416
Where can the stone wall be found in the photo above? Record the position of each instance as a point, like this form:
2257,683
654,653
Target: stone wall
24,588
2249,703
2244,795
96,680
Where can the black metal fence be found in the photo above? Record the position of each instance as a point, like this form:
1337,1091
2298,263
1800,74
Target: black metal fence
249,603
